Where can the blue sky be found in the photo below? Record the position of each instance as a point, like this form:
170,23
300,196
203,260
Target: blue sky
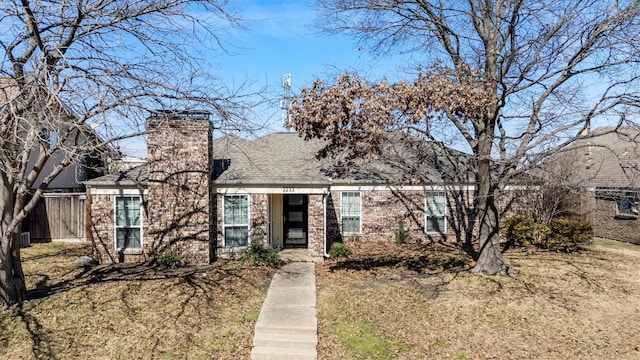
279,38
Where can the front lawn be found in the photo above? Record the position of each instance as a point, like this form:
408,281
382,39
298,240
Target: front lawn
384,302
420,302
130,311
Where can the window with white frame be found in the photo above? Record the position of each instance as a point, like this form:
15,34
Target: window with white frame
351,212
435,212
128,222
236,220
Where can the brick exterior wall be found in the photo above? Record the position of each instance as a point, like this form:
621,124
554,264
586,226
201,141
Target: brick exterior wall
258,218
380,215
179,197
607,225
103,232
381,212
259,213
315,235
218,222
333,219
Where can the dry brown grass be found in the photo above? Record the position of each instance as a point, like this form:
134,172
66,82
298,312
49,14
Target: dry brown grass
385,302
130,311
419,302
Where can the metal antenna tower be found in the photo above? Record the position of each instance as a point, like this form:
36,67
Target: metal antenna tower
285,102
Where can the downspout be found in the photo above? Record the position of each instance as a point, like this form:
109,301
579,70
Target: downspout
269,220
324,223
88,221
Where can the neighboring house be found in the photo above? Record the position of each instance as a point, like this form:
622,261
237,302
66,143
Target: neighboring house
607,163
60,213
209,198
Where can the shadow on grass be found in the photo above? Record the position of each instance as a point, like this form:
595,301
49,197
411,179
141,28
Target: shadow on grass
91,274
420,258
419,264
428,268
198,288
434,260
41,348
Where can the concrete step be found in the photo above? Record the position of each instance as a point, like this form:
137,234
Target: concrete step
280,353
276,340
294,317
286,330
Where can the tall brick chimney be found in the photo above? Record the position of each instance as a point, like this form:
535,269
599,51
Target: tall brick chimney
179,201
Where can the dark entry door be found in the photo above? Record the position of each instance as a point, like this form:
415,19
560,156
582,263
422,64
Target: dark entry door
295,208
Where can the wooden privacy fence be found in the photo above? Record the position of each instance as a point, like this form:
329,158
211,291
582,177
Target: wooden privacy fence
58,216
579,206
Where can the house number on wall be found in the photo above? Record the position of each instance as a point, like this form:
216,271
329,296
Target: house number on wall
288,189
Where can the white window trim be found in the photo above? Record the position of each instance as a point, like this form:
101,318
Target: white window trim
115,223
225,226
427,215
359,232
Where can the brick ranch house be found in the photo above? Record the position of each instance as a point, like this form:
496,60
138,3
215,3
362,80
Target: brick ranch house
209,198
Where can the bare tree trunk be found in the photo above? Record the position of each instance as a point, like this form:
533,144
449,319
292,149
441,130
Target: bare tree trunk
12,285
490,253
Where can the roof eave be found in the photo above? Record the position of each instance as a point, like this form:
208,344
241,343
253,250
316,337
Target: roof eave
115,183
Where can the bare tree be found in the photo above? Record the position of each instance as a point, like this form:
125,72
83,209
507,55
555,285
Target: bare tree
511,79
89,72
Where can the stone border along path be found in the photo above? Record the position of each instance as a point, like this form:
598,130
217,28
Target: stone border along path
287,327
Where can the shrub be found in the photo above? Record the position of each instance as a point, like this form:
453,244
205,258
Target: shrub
258,254
567,234
339,250
560,234
523,231
170,258
402,235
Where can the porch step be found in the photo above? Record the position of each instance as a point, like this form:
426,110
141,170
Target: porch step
283,353
298,255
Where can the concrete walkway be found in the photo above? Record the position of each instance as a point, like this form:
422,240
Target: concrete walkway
287,327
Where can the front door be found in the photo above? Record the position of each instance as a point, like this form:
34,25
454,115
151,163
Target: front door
295,209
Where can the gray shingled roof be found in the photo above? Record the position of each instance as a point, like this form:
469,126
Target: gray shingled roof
276,158
136,176
609,158
285,158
